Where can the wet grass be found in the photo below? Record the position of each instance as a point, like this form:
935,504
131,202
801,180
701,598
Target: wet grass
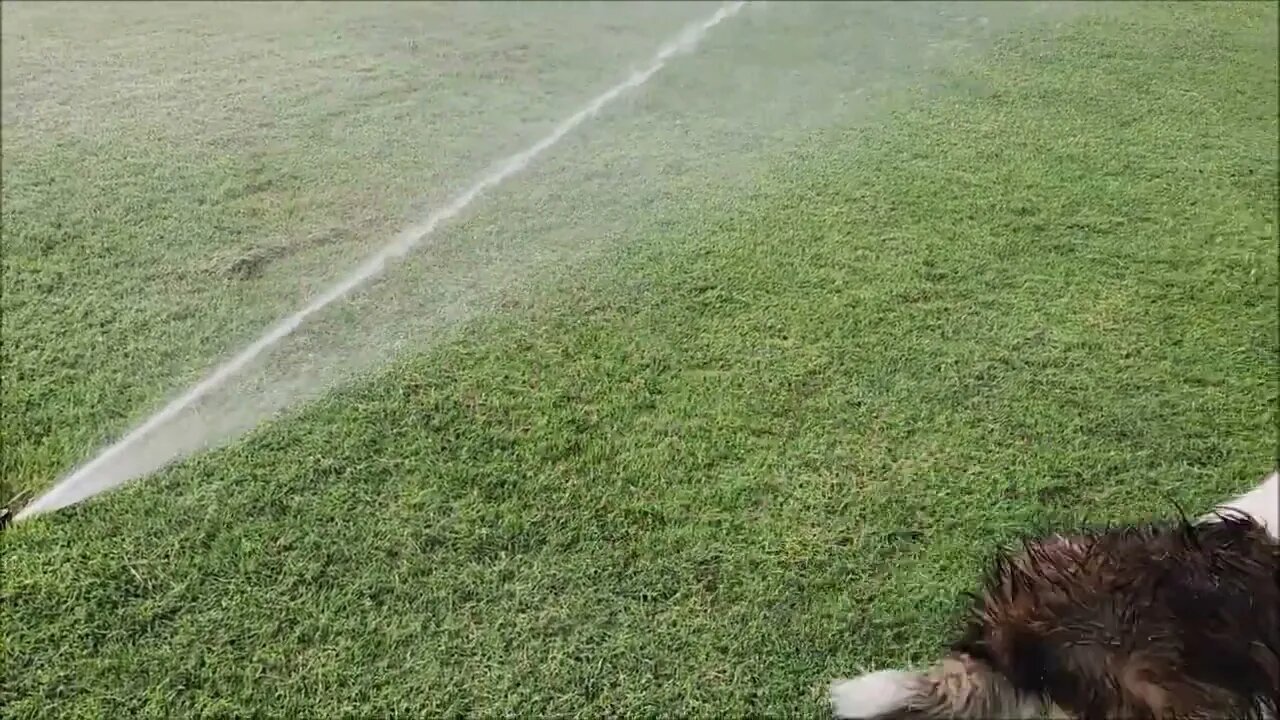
760,449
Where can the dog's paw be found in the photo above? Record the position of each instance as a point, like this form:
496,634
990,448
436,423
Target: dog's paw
873,694
1263,504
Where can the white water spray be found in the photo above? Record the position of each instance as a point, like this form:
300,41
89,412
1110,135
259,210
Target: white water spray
105,471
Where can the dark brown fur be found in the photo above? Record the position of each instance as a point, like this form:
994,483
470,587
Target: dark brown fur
1160,621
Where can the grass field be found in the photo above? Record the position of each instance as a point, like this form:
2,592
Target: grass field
760,438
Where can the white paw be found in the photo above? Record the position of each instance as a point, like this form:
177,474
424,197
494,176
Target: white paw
873,694
1262,502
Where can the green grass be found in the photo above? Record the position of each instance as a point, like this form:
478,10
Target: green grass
177,177
762,448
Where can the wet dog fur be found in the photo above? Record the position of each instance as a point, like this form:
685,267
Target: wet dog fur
1165,620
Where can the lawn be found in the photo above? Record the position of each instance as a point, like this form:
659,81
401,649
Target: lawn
796,359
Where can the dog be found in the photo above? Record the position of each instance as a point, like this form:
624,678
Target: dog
1162,620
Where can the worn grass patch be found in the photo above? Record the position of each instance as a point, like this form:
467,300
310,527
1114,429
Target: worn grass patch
751,453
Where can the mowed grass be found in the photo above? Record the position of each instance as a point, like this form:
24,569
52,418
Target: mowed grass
179,176
766,448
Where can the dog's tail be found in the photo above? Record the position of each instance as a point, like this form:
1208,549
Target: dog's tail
959,687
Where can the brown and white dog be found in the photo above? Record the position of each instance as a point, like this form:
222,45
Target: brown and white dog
1165,620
